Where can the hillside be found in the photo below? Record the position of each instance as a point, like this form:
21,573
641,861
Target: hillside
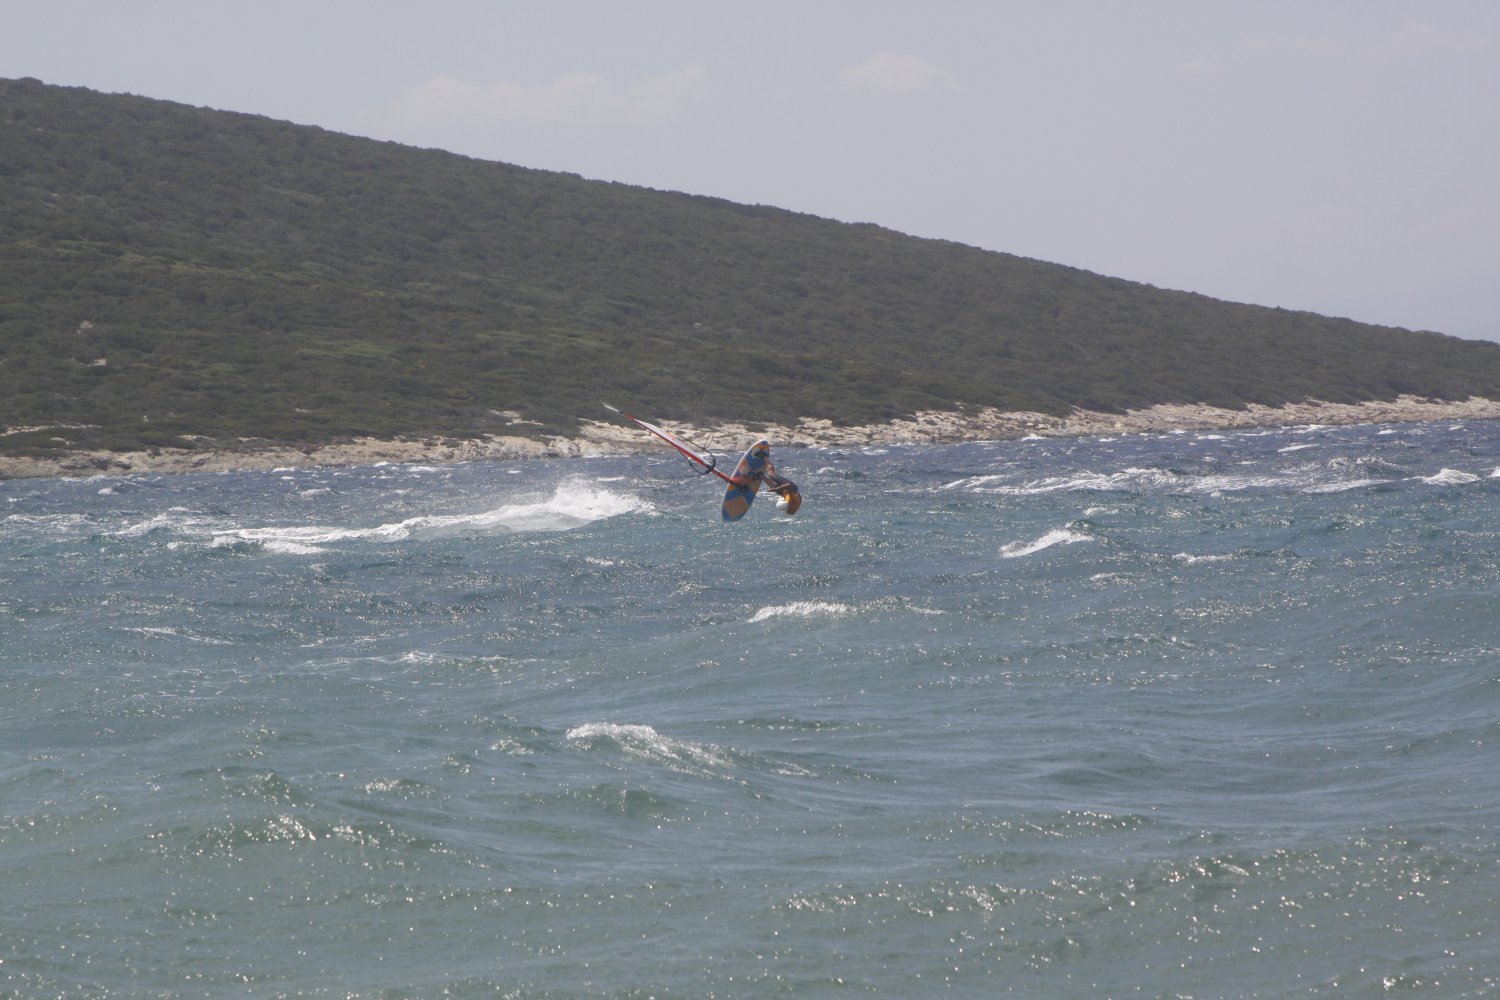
177,271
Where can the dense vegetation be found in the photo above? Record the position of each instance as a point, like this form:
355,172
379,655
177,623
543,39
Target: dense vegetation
174,271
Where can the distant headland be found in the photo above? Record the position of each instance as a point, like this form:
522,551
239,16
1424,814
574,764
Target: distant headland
196,289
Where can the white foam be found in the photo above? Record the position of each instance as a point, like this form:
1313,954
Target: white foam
971,482
174,519
572,505
1131,480
1353,484
648,744
802,609
1450,477
1057,536
285,548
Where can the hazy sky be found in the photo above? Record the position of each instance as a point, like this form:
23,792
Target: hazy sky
1335,155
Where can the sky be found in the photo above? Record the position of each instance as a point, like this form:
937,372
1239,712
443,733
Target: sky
1339,156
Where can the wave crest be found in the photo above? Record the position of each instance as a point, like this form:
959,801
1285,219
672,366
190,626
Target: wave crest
573,504
802,609
1057,536
645,743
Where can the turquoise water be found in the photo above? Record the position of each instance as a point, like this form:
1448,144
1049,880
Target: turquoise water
1198,715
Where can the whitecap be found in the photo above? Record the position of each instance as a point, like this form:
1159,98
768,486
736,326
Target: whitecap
266,539
1192,560
1450,477
971,482
802,609
1130,480
572,505
173,519
646,743
1077,481
1353,484
1057,536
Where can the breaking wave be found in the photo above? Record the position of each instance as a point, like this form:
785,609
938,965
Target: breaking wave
1450,477
572,505
802,609
645,743
1057,536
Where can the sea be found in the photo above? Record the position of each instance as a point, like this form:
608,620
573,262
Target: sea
1191,715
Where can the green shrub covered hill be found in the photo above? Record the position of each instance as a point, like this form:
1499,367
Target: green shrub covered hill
172,271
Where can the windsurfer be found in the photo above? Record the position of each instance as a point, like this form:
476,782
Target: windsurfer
753,471
756,468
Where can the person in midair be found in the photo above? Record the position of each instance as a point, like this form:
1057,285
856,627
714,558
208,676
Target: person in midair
755,469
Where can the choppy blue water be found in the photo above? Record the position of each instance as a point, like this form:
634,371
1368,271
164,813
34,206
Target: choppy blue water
1199,715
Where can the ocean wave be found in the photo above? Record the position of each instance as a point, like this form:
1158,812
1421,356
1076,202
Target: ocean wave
572,505
1057,536
45,525
1129,480
175,520
645,743
1342,487
802,609
1191,560
1334,476
172,632
1450,477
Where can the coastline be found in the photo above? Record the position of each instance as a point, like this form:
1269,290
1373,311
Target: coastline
601,438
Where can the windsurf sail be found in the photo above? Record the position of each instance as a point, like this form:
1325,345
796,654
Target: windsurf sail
703,462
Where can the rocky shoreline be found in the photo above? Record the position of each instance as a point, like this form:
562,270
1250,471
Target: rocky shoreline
597,438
